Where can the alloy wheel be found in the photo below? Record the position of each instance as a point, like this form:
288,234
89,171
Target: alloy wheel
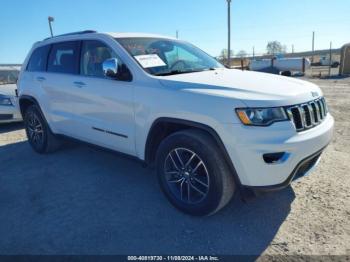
186,175
35,129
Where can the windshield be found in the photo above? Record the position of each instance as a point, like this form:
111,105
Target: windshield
163,57
8,77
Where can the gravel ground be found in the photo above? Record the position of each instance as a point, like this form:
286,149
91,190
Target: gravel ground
82,200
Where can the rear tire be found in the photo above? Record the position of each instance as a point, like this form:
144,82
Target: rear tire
39,134
193,173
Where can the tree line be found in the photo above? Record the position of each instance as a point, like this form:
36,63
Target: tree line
272,48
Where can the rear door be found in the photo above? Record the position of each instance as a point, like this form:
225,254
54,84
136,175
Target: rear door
104,107
62,69
33,76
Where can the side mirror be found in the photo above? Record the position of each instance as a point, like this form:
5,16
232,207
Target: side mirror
110,68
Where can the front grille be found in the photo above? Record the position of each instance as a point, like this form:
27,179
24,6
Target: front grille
308,115
5,116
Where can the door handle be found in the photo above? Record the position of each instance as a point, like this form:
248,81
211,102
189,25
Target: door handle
40,78
79,84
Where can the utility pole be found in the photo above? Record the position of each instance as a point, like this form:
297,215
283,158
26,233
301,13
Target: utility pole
51,19
292,49
253,52
229,32
313,46
177,34
330,59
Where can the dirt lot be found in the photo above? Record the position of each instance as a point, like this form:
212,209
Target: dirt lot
81,200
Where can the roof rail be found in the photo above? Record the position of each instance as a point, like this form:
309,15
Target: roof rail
74,33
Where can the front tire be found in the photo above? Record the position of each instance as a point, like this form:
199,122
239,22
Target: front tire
193,174
39,135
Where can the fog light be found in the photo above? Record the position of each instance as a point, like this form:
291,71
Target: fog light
275,158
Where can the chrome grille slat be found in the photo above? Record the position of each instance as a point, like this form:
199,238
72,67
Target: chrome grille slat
321,109
316,112
312,115
323,101
302,116
307,115
297,120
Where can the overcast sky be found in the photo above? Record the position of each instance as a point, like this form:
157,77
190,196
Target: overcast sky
202,22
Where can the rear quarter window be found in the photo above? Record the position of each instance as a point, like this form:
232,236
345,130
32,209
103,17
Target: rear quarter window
64,58
38,59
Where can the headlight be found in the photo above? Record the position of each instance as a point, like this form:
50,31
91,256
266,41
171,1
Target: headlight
261,116
5,101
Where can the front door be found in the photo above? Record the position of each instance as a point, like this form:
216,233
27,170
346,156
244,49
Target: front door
104,107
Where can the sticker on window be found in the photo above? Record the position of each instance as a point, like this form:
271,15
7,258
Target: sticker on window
148,61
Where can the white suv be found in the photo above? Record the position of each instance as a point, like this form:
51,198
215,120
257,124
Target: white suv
209,131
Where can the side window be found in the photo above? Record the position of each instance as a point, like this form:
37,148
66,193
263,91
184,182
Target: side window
64,58
38,59
93,54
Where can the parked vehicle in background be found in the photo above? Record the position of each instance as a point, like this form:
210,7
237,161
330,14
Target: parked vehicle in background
325,61
9,108
282,65
208,130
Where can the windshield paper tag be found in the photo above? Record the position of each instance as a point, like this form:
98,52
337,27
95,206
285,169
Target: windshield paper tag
148,61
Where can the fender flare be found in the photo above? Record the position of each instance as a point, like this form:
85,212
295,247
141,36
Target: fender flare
192,124
30,98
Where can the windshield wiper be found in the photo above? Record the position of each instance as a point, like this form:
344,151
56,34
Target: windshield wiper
175,72
178,72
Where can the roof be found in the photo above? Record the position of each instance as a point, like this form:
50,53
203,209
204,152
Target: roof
128,35
90,32
346,45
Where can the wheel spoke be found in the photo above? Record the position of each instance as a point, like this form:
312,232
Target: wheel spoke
174,163
176,181
200,182
190,160
197,189
197,166
31,120
31,134
178,157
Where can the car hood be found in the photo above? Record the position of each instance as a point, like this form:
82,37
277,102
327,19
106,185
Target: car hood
252,88
8,90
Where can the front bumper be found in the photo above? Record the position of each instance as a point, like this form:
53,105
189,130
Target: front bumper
247,145
10,114
302,169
